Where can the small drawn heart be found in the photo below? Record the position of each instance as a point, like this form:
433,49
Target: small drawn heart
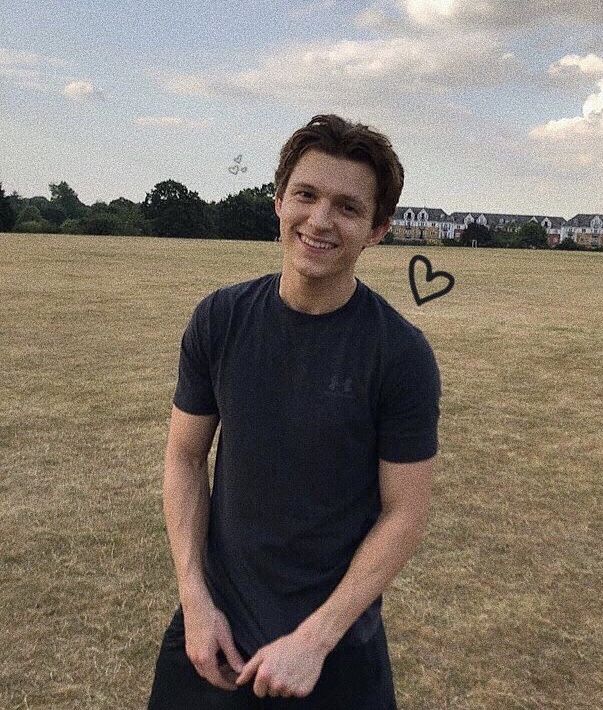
244,170
238,158
234,169
431,275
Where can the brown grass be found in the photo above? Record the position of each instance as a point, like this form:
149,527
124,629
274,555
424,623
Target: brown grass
500,608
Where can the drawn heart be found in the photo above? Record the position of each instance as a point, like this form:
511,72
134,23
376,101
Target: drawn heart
244,170
238,158
431,275
234,169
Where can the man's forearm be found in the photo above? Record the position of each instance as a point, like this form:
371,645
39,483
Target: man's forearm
389,544
186,510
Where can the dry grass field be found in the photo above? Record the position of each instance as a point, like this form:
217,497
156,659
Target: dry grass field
500,608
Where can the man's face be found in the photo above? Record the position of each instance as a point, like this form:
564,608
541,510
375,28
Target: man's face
331,201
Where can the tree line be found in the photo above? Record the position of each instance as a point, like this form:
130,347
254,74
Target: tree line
170,209
529,235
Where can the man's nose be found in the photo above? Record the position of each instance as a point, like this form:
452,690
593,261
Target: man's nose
320,216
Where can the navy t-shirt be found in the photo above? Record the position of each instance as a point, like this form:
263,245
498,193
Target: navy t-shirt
308,404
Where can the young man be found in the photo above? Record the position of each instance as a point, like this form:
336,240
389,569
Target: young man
329,403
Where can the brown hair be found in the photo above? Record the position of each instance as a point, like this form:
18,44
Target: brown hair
337,137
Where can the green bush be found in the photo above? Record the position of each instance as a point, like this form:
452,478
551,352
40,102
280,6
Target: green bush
35,226
72,226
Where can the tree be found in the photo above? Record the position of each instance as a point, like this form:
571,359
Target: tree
72,226
267,190
568,244
476,231
39,202
7,213
248,215
505,238
49,211
121,205
29,213
65,198
39,226
30,219
38,215
129,217
100,222
16,201
175,211
532,234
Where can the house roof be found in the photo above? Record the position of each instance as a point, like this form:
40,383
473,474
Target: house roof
496,219
555,221
583,220
434,214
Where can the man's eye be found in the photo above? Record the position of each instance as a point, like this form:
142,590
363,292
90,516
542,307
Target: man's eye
349,207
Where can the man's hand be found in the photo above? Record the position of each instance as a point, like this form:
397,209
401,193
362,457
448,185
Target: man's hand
205,635
287,667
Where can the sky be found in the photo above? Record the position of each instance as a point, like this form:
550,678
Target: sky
491,105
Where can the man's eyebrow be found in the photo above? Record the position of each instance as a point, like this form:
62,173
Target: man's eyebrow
343,196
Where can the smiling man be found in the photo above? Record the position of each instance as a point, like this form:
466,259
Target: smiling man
328,401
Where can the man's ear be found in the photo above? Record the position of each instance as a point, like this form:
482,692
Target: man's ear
378,233
278,203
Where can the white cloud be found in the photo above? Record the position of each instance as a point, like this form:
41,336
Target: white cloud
428,11
590,123
25,77
169,122
577,140
499,13
371,17
565,128
359,71
591,65
12,57
593,106
375,19
78,90
32,70
28,69
310,7
184,84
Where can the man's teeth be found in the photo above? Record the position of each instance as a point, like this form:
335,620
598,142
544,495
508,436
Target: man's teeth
318,245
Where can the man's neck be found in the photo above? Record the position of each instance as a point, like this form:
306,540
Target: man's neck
315,296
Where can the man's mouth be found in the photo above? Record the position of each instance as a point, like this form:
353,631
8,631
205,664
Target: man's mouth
315,244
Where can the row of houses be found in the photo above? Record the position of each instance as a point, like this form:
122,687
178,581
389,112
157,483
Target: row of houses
433,225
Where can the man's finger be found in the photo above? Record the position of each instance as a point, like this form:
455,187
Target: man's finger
219,682
228,674
260,687
249,669
232,654
214,674
275,693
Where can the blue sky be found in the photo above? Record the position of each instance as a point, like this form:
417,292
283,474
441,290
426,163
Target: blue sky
493,106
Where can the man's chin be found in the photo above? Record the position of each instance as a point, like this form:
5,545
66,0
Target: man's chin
311,272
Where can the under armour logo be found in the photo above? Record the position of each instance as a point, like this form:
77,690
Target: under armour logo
341,387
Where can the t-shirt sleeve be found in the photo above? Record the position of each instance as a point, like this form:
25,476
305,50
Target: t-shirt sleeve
410,405
194,390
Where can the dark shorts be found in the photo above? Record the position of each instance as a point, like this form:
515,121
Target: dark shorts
354,677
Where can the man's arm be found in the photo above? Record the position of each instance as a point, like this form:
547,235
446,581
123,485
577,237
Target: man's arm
186,510
291,665
391,542
186,499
